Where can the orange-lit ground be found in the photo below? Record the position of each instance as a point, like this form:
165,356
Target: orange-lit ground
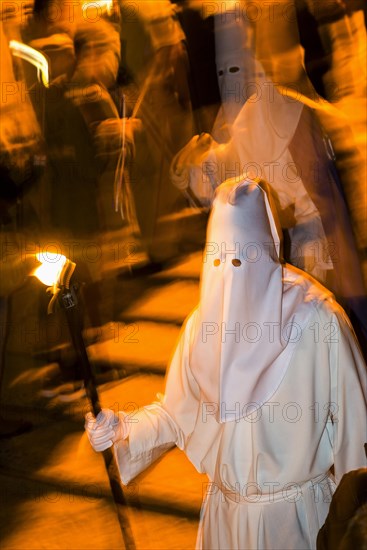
55,491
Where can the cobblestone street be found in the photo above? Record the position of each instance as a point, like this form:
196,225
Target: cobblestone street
55,491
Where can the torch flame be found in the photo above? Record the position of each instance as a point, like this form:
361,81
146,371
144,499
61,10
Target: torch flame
50,269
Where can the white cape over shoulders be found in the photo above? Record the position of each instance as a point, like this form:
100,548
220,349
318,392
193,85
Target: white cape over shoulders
270,481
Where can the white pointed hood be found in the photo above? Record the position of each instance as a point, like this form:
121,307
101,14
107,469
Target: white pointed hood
240,75
250,101
247,323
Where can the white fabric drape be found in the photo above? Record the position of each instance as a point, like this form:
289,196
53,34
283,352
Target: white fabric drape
269,469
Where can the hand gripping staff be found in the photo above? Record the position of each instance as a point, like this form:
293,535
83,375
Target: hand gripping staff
65,294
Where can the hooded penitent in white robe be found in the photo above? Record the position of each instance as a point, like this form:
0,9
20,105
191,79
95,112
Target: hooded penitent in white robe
252,133
278,138
265,392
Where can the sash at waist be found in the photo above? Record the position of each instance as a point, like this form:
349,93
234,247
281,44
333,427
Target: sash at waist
290,492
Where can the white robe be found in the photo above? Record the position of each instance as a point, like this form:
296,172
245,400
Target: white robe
259,145
270,483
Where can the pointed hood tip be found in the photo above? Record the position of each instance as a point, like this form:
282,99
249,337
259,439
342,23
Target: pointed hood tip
230,189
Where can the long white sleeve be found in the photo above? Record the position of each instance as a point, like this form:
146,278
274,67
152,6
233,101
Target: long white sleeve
150,434
156,428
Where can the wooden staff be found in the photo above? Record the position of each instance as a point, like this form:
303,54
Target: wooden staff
64,293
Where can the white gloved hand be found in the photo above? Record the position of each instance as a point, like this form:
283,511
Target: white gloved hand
105,430
193,153
191,156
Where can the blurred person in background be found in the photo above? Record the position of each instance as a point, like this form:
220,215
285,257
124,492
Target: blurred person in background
337,69
319,49
198,27
21,151
277,135
21,157
83,51
153,78
20,134
83,48
109,62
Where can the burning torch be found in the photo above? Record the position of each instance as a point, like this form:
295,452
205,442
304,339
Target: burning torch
56,273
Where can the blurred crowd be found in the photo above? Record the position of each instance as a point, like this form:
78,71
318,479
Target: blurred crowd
120,112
